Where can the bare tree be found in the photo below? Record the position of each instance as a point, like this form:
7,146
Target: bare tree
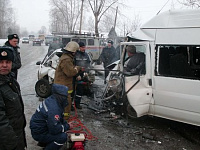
190,3
99,9
43,30
64,15
7,19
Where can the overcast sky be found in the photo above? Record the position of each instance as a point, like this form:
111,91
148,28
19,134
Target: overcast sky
33,14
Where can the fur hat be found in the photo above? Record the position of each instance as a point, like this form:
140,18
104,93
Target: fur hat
110,41
81,44
13,36
6,53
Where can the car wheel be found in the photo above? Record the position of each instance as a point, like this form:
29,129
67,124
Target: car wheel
43,88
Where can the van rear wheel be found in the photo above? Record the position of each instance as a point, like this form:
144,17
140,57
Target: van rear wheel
43,88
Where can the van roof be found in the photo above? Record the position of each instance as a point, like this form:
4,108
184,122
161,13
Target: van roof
174,19
171,27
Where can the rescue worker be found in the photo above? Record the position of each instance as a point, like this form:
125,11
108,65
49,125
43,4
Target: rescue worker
47,124
13,41
107,57
12,118
135,61
53,46
81,59
66,70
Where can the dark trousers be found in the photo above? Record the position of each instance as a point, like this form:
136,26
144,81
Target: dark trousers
79,94
106,72
54,142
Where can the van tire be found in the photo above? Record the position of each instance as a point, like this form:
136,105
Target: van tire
43,88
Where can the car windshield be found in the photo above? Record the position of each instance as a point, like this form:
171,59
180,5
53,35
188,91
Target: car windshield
25,38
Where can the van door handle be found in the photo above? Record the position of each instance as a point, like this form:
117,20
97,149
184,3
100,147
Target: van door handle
150,82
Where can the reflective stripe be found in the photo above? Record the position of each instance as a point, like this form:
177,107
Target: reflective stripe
78,95
70,91
57,143
63,129
66,114
45,107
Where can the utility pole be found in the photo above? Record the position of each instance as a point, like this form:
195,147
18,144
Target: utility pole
115,18
81,17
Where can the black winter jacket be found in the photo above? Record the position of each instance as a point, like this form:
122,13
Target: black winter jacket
12,118
17,59
82,59
108,55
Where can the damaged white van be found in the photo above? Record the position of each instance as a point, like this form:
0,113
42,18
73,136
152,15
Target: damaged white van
169,84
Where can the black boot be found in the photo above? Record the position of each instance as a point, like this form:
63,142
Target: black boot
72,108
41,144
78,106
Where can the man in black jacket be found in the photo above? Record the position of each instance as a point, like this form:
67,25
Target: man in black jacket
81,59
107,57
13,41
12,118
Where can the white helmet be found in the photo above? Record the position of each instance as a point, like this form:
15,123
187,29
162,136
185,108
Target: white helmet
72,46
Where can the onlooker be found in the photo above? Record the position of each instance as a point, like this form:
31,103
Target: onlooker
47,124
107,56
82,59
12,118
66,70
135,61
13,41
53,46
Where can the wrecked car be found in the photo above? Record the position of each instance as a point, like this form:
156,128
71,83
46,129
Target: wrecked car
168,84
46,73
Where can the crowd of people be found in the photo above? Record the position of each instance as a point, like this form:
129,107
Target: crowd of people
49,122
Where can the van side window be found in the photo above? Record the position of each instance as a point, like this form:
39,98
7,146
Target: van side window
83,40
180,61
75,40
90,42
65,41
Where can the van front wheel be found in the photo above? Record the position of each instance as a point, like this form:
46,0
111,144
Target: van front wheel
43,88
128,109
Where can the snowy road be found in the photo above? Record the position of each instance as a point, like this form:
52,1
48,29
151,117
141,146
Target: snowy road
113,134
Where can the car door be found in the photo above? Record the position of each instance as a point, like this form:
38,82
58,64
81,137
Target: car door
138,88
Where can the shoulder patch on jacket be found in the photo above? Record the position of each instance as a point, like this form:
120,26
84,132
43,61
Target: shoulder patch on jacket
57,117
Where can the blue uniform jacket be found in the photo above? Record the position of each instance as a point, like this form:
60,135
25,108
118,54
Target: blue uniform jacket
49,116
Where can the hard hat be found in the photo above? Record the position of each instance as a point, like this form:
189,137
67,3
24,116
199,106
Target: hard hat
72,46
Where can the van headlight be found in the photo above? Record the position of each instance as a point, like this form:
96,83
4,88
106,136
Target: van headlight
114,84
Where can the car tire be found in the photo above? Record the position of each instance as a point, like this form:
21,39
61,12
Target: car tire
43,88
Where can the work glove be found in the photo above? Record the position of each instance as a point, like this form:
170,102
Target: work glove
78,78
85,74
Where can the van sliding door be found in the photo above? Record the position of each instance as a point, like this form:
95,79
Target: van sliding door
176,83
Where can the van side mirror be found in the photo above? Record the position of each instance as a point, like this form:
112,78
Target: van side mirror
127,73
38,63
